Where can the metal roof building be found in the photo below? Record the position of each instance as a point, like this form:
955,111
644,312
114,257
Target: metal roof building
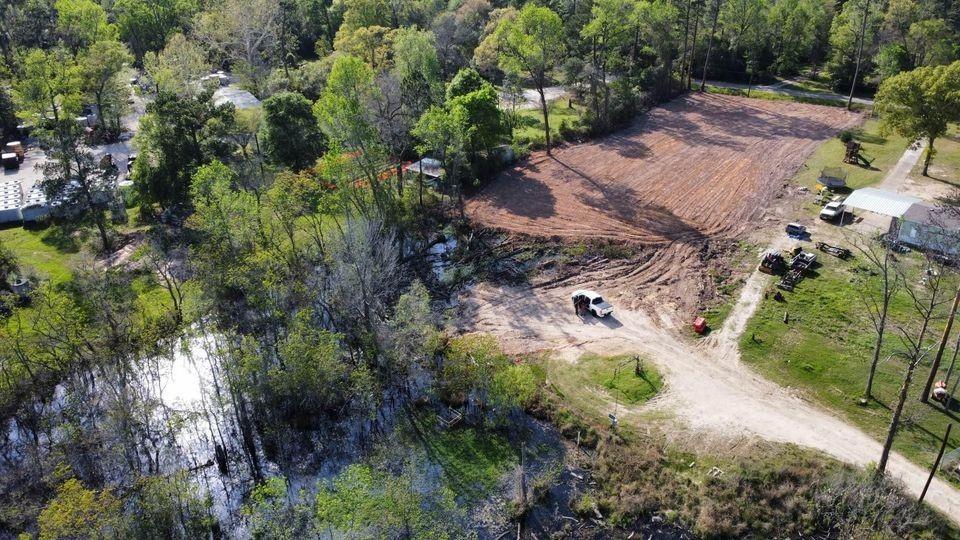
240,98
10,196
880,201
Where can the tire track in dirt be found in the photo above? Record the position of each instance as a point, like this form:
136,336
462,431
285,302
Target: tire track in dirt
700,168
708,388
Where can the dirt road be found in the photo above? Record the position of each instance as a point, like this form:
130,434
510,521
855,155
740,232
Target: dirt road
708,388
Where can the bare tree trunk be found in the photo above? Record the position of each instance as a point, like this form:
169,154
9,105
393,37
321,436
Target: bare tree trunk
693,46
686,39
863,37
713,33
936,463
878,311
546,116
895,421
928,156
868,392
925,396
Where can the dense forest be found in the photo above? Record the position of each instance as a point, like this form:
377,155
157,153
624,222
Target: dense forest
278,257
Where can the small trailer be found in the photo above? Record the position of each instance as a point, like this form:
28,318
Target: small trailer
17,148
798,267
836,251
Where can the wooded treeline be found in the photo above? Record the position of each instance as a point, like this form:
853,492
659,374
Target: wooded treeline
290,239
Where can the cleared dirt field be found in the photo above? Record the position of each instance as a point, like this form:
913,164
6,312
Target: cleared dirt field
700,168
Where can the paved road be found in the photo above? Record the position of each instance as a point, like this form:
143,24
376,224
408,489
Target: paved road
897,176
779,89
531,98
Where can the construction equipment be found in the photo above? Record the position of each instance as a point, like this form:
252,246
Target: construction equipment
801,262
836,251
772,263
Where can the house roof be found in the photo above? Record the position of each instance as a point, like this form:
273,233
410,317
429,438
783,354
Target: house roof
429,167
926,214
880,201
240,98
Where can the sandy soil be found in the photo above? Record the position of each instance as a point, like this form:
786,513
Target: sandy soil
681,183
698,166
709,390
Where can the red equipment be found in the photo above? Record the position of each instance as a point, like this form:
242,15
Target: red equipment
700,325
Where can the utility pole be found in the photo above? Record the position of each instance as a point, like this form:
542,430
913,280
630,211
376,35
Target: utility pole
925,396
638,369
863,37
713,31
933,470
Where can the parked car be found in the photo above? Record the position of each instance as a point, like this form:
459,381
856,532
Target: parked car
796,229
832,211
589,301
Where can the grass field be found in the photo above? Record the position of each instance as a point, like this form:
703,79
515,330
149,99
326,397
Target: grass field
825,352
883,150
589,386
529,127
473,460
49,251
945,166
777,96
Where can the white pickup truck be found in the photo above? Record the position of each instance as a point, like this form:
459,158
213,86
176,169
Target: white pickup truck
589,301
832,211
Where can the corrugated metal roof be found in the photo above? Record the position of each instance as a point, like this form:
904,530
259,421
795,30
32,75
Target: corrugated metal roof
240,98
880,201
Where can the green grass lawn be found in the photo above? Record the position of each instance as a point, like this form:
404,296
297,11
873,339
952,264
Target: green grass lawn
885,151
49,251
945,166
625,383
473,459
529,127
825,352
589,386
777,96
805,84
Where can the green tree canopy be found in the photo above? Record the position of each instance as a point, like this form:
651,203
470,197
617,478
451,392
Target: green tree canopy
83,22
101,67
176,135
291,136
146,24
532,44
920,104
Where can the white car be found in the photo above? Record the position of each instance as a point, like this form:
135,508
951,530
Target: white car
832,211
592,302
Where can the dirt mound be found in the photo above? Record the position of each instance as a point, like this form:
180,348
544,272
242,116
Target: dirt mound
699,168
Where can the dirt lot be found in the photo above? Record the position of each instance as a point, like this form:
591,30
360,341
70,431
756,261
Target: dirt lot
698,169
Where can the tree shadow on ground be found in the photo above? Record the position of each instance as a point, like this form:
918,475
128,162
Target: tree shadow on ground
63,239
528,197
627,206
